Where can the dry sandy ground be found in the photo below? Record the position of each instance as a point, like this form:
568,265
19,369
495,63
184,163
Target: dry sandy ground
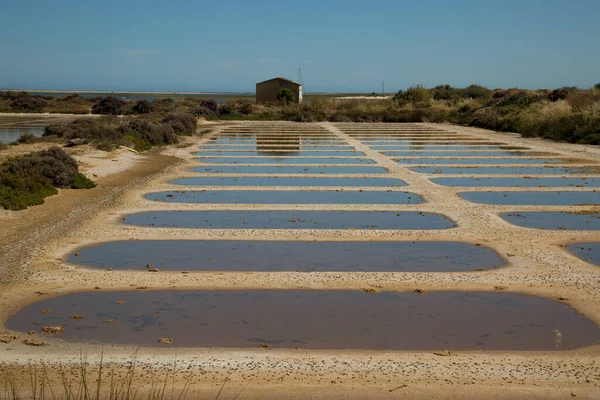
34,248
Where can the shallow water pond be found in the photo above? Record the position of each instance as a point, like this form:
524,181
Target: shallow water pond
280,153
314,320
533,198
283,181
12,134
289,220
589,252
506,170
519,182
283,160
275,147
458,153
286,197
288,169
227,255
408,147
450,161
553,220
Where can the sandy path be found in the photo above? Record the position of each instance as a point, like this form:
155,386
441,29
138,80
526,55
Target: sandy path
537,263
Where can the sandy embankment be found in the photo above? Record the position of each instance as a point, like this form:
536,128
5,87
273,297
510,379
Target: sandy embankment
536,264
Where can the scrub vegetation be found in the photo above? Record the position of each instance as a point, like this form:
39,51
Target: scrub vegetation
85,381
28,179
109,132
565,114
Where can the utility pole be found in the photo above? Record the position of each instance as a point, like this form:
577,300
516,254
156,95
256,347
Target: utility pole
382,88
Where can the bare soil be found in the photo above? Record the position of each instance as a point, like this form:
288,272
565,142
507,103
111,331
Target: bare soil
34,244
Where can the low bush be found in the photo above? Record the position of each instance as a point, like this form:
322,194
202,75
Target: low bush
109,106
142,107
182,124
29,104
26,138
416,95
237,107
286,95
28,179
108,133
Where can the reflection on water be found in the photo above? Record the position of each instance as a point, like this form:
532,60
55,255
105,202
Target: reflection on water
291,142
9,135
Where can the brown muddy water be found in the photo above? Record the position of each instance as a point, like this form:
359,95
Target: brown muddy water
314,320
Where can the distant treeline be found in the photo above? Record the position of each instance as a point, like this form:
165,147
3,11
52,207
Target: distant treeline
565,114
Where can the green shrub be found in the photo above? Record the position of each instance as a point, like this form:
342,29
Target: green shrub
28,179
417,95
109,106
476,92
237,107
81,181
446,92
30,104
181,123
286,95
26,137
108,133
142,107
597,86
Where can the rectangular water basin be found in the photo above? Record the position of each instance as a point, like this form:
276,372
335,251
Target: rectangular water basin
314,319
286,197
292,181
589,252
288,169
533,198
282,153
274,148
450,161
519,182
553,220
422,143
227,255
410,148
506,170
457,153
283,160
290,220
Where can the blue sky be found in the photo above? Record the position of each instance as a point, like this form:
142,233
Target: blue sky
339,45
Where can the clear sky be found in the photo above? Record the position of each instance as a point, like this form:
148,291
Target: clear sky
340,45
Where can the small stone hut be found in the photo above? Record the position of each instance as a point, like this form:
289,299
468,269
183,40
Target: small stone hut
266,91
